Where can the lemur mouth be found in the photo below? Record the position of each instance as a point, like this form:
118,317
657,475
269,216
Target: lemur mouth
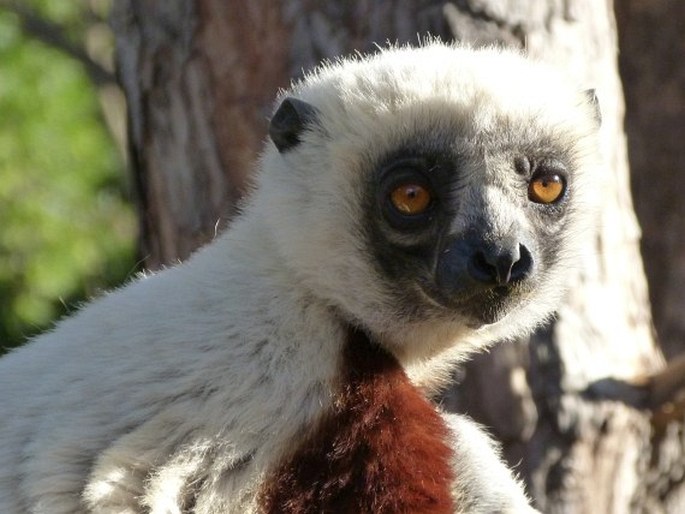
483,306
492,305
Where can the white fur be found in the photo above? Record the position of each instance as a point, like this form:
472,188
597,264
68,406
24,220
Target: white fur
185,386
485,485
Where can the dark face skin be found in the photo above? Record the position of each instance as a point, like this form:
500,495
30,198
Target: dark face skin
435,238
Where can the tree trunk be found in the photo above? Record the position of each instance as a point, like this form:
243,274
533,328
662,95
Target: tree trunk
200,78
651,62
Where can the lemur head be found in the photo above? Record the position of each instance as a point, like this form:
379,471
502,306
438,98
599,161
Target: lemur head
432,194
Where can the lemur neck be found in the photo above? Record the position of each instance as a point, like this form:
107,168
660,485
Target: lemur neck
381,447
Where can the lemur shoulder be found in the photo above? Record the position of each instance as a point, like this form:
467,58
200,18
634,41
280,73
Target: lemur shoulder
410,207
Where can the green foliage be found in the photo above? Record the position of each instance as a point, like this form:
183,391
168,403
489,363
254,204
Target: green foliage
66,229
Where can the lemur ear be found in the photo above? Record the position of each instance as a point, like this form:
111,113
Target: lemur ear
591,97
288,122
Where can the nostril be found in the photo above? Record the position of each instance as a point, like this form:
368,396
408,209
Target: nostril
523,266
499,266
481,269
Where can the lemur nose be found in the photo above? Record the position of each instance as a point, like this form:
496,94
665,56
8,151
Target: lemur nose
501,266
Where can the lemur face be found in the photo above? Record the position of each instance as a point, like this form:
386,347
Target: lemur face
436,196
466,228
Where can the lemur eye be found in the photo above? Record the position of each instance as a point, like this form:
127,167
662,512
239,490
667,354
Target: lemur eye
546,189
410,199
406,194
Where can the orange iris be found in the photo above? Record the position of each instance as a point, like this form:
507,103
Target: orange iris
546,189
410,199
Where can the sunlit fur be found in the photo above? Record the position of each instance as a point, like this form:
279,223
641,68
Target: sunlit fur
182,390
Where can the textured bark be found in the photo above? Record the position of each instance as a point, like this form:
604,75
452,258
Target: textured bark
200,77
651,60
653,71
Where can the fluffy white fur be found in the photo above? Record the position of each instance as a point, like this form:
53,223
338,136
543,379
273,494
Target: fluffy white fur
181,389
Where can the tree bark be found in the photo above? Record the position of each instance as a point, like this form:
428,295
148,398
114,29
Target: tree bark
200,78
650,35
651,63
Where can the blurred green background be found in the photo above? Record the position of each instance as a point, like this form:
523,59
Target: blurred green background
67,227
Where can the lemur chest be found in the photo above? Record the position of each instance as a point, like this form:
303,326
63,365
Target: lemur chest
382,447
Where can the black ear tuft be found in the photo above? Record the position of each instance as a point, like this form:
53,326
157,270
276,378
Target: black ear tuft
288,122
592,99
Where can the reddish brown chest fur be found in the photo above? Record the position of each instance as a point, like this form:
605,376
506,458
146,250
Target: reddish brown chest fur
382,449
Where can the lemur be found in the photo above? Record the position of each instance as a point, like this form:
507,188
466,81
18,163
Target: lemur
410,207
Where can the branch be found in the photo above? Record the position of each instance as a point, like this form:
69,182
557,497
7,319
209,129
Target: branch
667,393
662,393
53,35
